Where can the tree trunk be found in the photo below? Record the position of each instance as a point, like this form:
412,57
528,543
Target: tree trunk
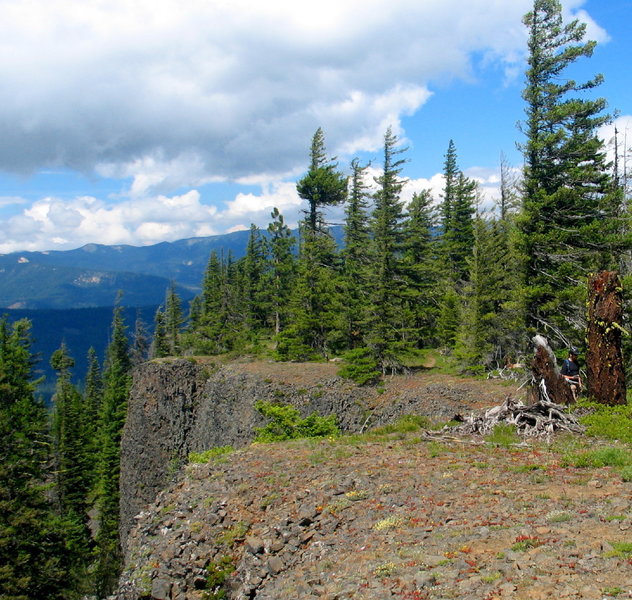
546,373
604,360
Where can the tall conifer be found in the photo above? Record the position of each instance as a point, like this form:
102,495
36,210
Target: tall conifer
117,381
385,317
565,206
34,561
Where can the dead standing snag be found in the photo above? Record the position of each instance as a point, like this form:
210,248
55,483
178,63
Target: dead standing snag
604,360
548,383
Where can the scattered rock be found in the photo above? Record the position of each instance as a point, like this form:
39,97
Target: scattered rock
161,589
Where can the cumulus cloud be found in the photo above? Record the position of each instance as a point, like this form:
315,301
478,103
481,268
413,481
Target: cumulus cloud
172,96
51,223
174,93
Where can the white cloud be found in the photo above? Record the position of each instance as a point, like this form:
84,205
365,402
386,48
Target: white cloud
52,224
171,96
175,96
623,138
11,201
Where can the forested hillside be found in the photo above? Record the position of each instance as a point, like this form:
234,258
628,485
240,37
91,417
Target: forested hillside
441,273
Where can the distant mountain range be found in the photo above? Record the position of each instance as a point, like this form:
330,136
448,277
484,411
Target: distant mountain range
68,295
91,276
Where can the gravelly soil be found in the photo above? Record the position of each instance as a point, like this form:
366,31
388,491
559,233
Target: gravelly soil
391,517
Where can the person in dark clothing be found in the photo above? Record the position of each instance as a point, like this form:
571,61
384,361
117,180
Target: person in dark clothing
570,372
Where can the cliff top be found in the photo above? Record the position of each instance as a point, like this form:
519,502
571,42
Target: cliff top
386,515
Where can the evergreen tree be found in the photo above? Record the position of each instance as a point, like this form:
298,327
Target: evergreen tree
282,268
487,329
316,329
357,257
457,241
34,562
112,418
565,208
451,177
322,186
160,345
316,309
173,320
93,392
457,210
509,192
421,266
92,399
255,292
385,326
207,317
72,459
140,342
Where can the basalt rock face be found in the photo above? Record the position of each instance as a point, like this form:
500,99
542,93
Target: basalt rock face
180,406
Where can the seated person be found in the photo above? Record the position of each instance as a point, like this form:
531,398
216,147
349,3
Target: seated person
570,372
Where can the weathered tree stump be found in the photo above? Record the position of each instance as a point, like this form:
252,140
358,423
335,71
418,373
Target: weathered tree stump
546,373
604,360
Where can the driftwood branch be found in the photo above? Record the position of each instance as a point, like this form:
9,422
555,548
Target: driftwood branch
541,419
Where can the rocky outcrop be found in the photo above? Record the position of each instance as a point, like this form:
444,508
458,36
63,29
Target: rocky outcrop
383,516
181,406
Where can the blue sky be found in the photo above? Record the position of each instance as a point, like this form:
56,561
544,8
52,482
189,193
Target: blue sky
135,123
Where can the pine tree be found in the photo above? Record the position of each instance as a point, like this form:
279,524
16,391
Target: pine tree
34,561
316,326
420,264
316,304
160,345
93,392
140,342
385,326
451,176
173,320
117,381
282,269
456,245
565,180
357,257
72,459
322,186
254,292
486,330
457,210
92,400
207,318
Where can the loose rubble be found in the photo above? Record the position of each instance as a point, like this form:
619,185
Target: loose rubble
395,517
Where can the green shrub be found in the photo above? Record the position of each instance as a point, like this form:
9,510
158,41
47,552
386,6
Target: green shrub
601,457
209,455
620,550
626,474
361,367
405,424
216,575
609,422
286,424
503,435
